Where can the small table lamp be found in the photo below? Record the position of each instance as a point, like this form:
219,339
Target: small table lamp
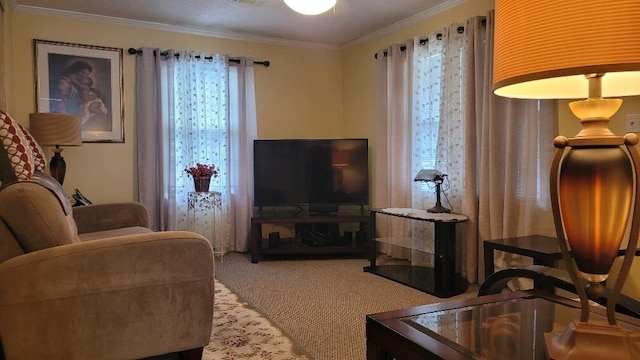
575,49
57,130
437,177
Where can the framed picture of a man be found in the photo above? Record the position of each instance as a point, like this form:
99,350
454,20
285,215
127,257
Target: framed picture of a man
85,81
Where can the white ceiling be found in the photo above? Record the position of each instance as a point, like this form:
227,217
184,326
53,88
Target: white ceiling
270,20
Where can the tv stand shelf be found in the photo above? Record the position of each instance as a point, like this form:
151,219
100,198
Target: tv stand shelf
358,245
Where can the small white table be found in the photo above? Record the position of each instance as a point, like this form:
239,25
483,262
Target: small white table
202,208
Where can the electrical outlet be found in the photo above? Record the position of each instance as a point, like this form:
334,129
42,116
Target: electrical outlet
633,123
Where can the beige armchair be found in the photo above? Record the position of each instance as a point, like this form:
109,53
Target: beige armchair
95,282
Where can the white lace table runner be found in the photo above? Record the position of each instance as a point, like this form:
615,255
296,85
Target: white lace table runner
424,214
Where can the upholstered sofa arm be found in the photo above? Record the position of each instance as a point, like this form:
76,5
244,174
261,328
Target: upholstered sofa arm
102,217
120,298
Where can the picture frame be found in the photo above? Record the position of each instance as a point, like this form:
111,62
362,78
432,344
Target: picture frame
82,80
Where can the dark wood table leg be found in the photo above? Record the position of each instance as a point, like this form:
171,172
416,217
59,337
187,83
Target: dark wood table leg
489,266
374,352
548,263
192,354
256,234
445,257
372,240
377,340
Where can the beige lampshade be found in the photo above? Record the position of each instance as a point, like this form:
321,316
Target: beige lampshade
55,129
543,49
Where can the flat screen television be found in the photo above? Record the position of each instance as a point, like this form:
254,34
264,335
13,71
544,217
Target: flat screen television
311,172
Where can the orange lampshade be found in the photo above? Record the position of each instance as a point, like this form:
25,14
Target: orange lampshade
543,49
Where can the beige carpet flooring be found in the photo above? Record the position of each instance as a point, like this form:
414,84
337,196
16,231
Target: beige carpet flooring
319,304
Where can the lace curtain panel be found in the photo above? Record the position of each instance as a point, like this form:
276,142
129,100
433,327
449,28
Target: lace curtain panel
392,155
184,116
495,151
438,112
199,132
509,146
421,83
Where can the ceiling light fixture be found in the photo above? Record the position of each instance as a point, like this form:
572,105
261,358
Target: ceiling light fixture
310,7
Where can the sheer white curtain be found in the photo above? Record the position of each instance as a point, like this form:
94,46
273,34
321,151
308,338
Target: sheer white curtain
154,79
191,108
243,131
438,112
495,151
508,151
420,99
199,130
393,127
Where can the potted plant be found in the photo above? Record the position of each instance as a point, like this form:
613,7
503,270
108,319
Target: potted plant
202,174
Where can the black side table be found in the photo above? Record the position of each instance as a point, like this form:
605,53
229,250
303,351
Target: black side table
443,279
543,249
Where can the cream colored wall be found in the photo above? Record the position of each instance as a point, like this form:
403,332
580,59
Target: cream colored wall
298,96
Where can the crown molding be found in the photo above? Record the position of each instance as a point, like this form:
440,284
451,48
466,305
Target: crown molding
173,28
404,23
238,36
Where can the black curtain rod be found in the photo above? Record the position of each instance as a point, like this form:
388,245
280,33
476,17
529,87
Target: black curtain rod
459,29
134,51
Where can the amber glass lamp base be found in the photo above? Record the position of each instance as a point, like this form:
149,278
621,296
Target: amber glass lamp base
592,340
57,166
595,196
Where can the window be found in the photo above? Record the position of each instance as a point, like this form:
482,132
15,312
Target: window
438,107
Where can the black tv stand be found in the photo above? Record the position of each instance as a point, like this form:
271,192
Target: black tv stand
325,245
323,208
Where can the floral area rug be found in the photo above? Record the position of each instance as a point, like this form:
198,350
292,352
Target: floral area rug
240,332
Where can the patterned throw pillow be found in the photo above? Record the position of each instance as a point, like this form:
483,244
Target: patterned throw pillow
38,155
16,160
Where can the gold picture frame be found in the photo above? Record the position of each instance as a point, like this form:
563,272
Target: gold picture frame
82,80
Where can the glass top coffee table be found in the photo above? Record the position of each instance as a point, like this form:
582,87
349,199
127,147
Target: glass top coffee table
504,326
